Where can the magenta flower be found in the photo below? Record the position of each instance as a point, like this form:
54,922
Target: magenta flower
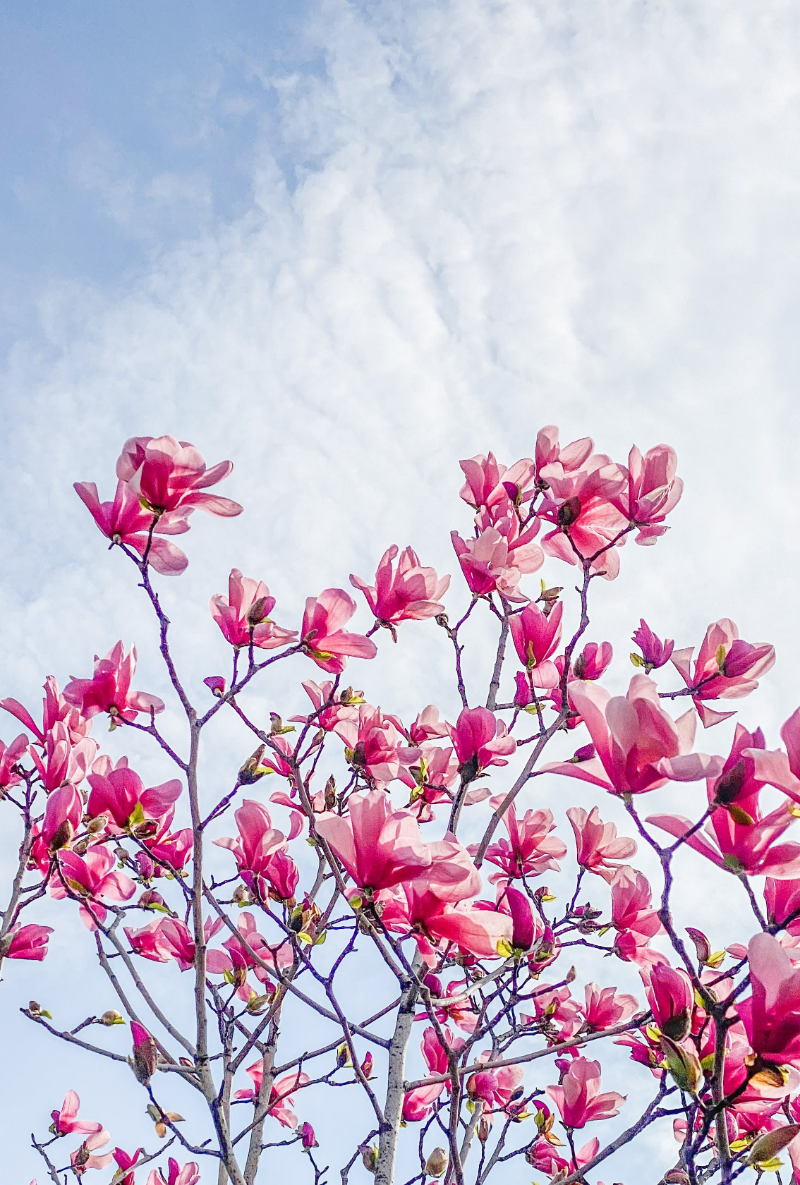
556,1005
376,745
604,1008
172,848
9,759
671,997
418,1103
118,792
260,850
488,565
581,504
66,1120
168,474
578,1097
653,491
480,740
125,1162
63,759
379,846
126,521
593,661
323,638
568,459
55,710
632,914
162,940
639,746
655,653
89,878
62,817
740,839
771,1015
495,1087
188,1175
536,636
26,942
489,482
529,849
725,667
108,690
246,612
597,844
409,594
281,1095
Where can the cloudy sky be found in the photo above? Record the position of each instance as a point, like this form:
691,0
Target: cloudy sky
346,244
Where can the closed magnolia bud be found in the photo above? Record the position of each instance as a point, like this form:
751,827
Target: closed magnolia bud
772,1143
252,769
366,1066
683,1065
436,1163
676,1177
342,1056
145,1053
369,1158
82,846
62,835
701,944
111,1017
728,786
98,823
330,793
483,1129
242,895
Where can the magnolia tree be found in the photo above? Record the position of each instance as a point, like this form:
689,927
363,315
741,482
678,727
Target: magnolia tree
272,909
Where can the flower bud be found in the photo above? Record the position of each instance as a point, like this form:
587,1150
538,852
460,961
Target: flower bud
98,823
330,793
683,1065
307,1136
216,685
366,1066
771,1143
257,611
369,1158
145,1053
252,769
436,1163
701,944
342,1056
482,1131
111,1017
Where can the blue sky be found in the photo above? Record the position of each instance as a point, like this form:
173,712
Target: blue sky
346,245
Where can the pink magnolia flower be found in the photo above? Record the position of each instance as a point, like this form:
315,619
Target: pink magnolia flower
409,594
84,1158
26,942
246,613
529,849
523,553
549,452
428,725
653,491
725,667
489,482
378,845
495,1088
578,1097
188,1175
63,760
9,759
260,850
536,636
655,653
55,710
418,1103
740,839
167,474
126,521
281,1095
323,638
581,505
639,746
162,940
632,913
541,1155
125,1162
556,1006
597,844
172,848
450,1004
487,564
480,740
376,746
593,661
670,995
330,705
118,791
62,817
771,1015
604,1008
89,878
782,898
437,914
235,960
66,1120
109,688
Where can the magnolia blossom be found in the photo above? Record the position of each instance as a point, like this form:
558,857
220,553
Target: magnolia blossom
639,746
529,849
410,593
670,995
260,850
281,1095
771,1015
168,474
604,1008
322,635
725,668
578,1097
245,614
536,636
655,653
376,746
652,492
66,1121
632,914
489,482
418,1103
126,521
379,846
162,940
109,688
84,1157
481,740
582,506
495,1088
189,1174
119,793
89,878
487,565
63,759
598,847
25,942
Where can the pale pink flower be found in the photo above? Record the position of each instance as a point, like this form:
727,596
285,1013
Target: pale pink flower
549,452
652,492
89,878
379,846
168,474
162,940
126,521
725,667
771,1015
189,1174
632,913
418,1103
487,564
108,690
409,593
578,1097
84,1157
529,849
597,844
66,1121
281,1095
639,746
63,759
377,746
536,637
604,1008
55,710
323,638
245,614
428,725
495,1087
581,505
556,1006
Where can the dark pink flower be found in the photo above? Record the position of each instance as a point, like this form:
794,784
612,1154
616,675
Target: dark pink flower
108,690
323,638
162,940
409,593
90,878
66,1121
604,1008
167,474
480,740
119,793
725,667
26,942
529,849
655,653
126,521
281,1096
578,1097
536,637
598,848
378,845
771,1015
652,492
246,613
